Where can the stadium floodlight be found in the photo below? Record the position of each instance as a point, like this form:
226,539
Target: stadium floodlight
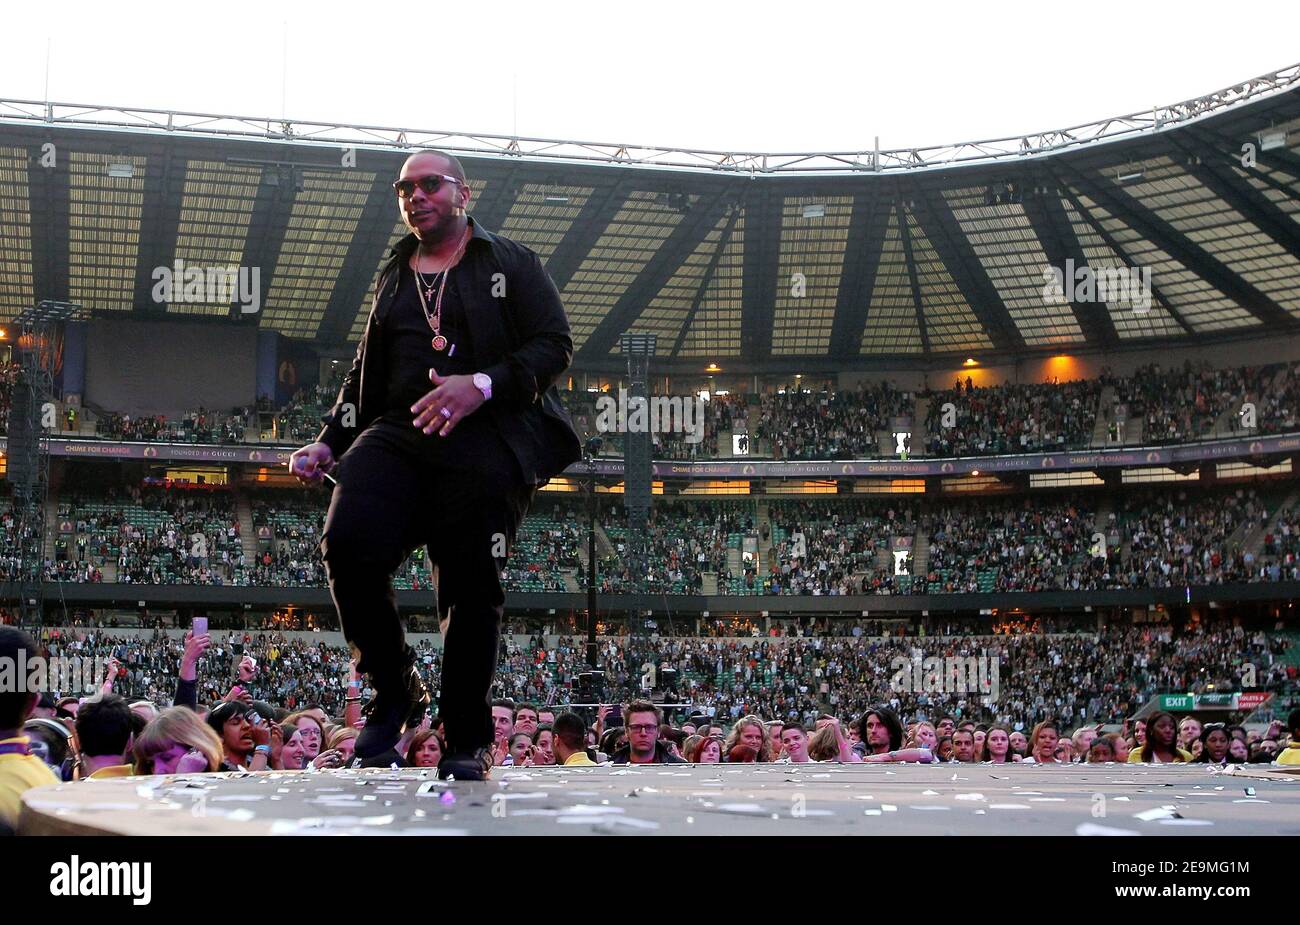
124,171
814,210
1132,176
556,199
1268,141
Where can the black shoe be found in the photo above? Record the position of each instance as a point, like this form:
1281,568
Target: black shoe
475,765
395,707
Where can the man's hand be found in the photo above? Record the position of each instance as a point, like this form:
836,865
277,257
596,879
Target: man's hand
500,749
311,461
238,693
247,668
452,400
601,713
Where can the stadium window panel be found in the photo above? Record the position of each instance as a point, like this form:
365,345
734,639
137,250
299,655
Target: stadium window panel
979,484
714,331
809,268
1129,320
889,487
1202,306
1278,197
1156,474
802,487
216,206
739,487
542,214
363,310
1195,211
950,324
620,255
104,229
1063,479
1006,245
17,292
1237,470
892,325
322,224
667,311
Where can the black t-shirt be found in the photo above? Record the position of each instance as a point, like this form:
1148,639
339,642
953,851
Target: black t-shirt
408,343
474,445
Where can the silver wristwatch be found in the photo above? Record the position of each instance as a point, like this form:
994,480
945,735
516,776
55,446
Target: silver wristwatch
483,382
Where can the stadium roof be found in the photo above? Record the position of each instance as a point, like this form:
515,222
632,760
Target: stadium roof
777,262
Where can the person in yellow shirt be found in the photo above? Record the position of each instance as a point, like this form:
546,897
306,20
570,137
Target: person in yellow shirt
1291,754
1160,747
20,770
570,741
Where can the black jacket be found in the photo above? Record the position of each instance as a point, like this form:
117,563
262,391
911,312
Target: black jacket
521,337
662,755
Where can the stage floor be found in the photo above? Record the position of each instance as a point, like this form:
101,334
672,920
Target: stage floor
750,799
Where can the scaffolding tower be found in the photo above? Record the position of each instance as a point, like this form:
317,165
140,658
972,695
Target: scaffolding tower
33,415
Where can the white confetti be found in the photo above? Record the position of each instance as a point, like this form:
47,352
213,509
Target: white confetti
1163,812
586,809
536,795
1091,828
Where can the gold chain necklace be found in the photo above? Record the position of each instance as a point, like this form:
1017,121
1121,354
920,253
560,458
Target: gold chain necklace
435,320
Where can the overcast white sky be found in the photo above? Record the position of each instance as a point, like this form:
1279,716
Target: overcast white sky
804,76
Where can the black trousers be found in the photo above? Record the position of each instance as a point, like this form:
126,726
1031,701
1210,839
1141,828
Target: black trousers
462,499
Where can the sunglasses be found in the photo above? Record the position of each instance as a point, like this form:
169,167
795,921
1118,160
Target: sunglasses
430,184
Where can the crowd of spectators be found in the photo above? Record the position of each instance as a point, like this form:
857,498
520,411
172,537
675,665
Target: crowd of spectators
299,421
1154,537
1184,403
196,426
152,534
253,702
1085,675
835,548
1011,418
805,424
681,542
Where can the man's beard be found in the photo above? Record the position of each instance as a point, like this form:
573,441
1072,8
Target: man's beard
441,232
